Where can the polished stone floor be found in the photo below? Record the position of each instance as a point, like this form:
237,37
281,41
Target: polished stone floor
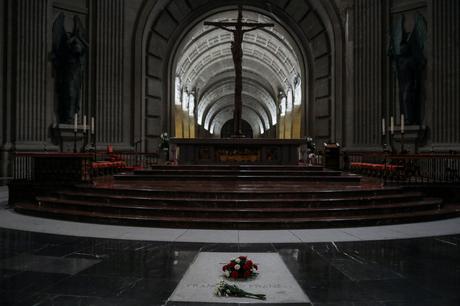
45,269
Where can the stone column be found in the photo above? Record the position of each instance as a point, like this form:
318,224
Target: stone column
368,66
30,74
110,107
446,74
3,155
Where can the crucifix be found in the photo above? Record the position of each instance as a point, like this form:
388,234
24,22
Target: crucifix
238,29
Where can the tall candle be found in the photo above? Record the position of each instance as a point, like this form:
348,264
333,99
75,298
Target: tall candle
402,123
383,127
75,123
92,125
392,125
84,123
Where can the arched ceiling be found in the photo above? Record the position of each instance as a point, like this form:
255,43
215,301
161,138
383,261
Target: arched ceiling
227,101
205,63
253,94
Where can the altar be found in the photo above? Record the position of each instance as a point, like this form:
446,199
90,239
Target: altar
236,151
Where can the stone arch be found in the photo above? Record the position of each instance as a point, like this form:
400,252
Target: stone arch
314,23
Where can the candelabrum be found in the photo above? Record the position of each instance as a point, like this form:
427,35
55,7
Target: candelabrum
391,146
384,143
93,134
85,141
402,143
74,141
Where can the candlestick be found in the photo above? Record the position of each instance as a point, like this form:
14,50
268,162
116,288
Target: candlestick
402,144
84,123
93,133
75,123
402,123
75,141
92,125
392,125
383,127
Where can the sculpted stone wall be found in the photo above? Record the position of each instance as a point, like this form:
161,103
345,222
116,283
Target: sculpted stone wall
372,91
350,82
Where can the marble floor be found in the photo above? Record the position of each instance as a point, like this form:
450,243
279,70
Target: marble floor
412,264
44,269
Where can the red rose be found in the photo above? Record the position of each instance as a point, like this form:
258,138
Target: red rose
234,274
232,264
255,267
224,268
249,262
243,257
247,273
247,266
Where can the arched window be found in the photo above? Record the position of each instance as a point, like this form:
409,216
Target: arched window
262,130
178,96
283,106
298,91
191,104
289,102
211,129
185,98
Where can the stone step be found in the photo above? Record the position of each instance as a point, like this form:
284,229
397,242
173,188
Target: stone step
236,212
240,177
239,223
230,172
239,167
204,192
242,202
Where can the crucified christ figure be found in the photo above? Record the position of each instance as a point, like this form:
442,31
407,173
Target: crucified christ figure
238,29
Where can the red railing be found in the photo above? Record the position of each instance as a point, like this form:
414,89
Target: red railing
25,165
409,168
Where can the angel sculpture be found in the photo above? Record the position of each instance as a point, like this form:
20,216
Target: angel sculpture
69,60
406,51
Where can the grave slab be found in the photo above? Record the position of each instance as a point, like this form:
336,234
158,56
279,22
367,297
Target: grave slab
274,280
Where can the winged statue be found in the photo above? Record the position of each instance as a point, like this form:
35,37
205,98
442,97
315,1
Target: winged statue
406,51
69,52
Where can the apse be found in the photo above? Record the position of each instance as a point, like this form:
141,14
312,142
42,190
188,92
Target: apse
204,78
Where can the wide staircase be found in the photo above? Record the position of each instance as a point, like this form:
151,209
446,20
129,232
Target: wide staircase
238,197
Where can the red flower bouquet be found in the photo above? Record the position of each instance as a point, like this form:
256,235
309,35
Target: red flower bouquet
240,268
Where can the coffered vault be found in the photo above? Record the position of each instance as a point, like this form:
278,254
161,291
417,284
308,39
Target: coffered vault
205,77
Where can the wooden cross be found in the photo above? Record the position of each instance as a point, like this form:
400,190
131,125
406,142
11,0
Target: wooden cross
238,29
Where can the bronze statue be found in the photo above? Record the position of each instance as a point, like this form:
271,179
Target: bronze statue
238,29
406,51
69,59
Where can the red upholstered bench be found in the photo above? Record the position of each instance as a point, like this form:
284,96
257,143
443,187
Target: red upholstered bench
375,169
107,167
133,168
